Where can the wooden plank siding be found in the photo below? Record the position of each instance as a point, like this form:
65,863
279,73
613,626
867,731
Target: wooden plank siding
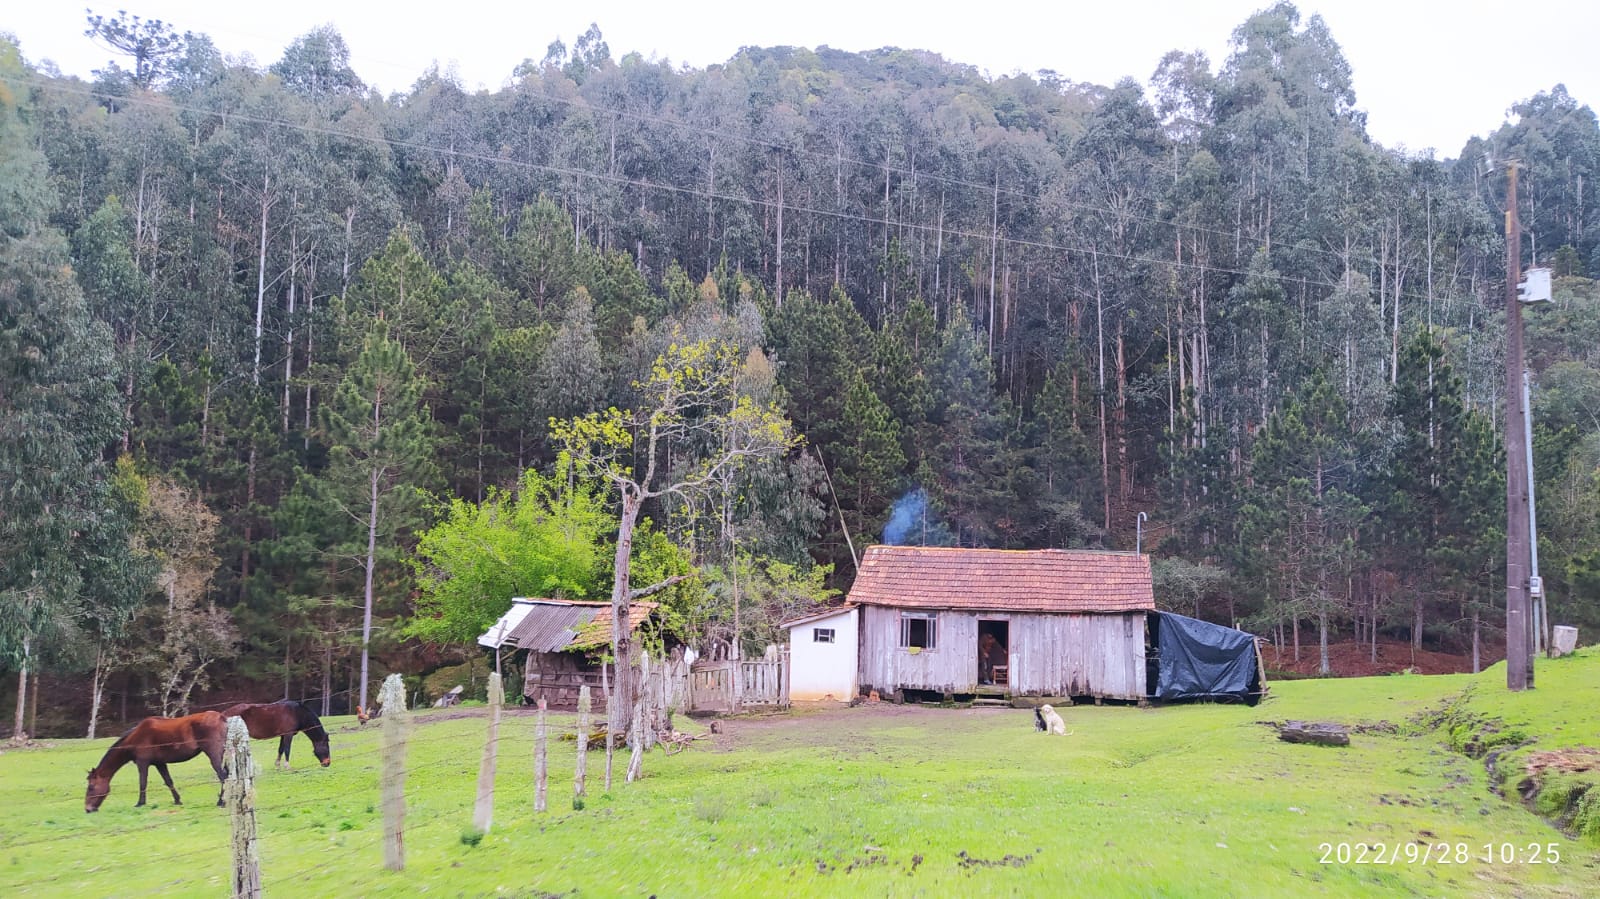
1065,654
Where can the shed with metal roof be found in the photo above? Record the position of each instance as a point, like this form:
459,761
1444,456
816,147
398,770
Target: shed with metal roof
558,642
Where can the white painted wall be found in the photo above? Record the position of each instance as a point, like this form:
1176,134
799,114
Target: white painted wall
820,671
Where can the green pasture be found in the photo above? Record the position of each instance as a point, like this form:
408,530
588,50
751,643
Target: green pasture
1197,800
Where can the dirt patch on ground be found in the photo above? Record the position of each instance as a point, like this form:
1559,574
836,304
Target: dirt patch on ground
1351,659
838,727
1563,761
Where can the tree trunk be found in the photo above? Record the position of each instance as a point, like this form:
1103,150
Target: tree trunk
1416,622
97,691
1477,654
1322,643
778,283
372,559
624,690
994,248
1124,474
288,339
22,689
261,277
1100,353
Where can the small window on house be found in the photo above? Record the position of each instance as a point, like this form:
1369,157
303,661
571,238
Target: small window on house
822,635
919,630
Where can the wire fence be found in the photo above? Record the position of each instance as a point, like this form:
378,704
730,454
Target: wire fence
337,807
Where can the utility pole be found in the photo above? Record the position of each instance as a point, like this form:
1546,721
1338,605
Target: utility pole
1519,633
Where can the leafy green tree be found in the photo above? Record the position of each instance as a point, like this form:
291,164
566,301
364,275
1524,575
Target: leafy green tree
1442,491
1060,470
542,539
317,64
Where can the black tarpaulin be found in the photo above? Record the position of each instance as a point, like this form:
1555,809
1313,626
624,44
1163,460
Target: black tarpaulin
1201,660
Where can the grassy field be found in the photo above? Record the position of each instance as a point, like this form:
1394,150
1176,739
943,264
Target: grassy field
876,801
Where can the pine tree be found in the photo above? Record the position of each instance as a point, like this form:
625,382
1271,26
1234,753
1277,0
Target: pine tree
1439,498
1301,521
382,449
867,462
571,375
969,460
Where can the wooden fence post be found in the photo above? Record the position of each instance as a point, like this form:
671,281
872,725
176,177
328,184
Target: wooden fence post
611,721
483,808
647,735
541,762
392,785
583,748
636,759
241,796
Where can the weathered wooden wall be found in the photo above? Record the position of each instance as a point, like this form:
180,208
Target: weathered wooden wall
1050,655
556,678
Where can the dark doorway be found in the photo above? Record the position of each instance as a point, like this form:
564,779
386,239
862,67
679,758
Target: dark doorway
994,653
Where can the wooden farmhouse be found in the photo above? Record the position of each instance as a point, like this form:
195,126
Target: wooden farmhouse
935,620
559,644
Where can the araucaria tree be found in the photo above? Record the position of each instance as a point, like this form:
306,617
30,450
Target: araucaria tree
690,426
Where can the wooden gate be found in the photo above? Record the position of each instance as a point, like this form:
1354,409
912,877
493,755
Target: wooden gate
733,686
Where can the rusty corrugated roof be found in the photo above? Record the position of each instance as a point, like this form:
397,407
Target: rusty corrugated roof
559,625
551,626
1042,580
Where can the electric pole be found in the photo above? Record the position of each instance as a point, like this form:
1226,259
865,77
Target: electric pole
1519,634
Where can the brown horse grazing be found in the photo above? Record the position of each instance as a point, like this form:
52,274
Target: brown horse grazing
283,719
159,742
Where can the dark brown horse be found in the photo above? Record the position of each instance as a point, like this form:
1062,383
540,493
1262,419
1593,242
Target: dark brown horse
159,742
283,719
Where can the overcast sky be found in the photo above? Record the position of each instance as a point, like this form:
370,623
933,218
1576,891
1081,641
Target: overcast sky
1429,74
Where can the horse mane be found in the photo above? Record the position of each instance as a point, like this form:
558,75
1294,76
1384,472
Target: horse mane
111,751
125,735
307,720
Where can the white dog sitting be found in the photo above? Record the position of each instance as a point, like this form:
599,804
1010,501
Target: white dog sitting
1048,720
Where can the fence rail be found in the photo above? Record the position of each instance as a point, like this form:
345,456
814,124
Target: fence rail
731,686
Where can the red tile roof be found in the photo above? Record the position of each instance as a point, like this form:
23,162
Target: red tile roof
998,580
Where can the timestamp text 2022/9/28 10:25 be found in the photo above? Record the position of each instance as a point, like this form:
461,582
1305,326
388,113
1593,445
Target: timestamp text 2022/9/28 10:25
1439,853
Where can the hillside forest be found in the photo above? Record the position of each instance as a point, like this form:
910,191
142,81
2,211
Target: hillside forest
297,377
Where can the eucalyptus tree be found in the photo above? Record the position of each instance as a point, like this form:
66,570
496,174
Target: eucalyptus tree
60,408
317,65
